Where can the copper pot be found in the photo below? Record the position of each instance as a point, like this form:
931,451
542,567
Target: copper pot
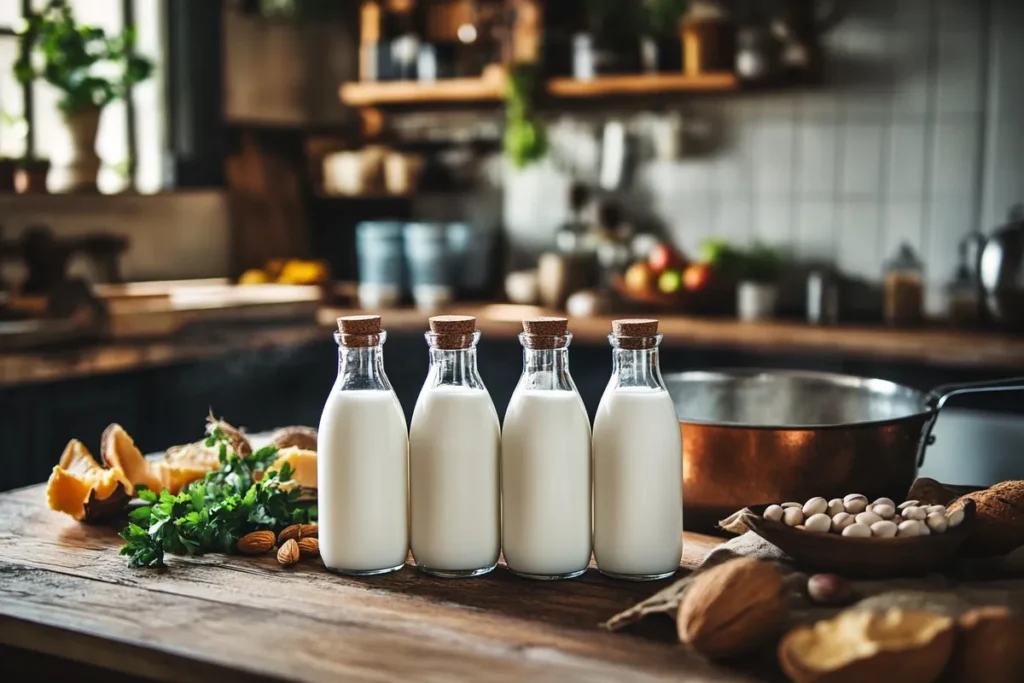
752,437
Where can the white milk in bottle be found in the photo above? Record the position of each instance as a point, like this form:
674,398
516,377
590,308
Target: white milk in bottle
362,460
638,499
454,446
545,461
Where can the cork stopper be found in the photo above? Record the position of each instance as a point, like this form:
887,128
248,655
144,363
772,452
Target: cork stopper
546,333
453,331
635,333
359,330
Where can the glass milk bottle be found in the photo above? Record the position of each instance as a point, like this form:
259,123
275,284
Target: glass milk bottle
545,461
362,459
454,442
638,478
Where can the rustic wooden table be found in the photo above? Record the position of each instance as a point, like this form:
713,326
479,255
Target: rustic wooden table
68,603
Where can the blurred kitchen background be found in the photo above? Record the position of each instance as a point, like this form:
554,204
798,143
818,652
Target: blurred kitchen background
192,192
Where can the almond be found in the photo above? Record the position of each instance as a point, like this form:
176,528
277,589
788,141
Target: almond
732,608
288,554
256,543
298,531
309,547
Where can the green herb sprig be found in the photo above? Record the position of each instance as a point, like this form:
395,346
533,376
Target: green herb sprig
211,514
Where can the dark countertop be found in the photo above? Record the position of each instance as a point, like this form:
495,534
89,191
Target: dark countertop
942,348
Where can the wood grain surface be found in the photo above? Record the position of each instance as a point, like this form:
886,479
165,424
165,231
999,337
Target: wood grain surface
65,592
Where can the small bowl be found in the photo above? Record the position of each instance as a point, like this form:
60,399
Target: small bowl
863,557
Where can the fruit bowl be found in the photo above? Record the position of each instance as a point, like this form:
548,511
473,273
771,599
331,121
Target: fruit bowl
652,298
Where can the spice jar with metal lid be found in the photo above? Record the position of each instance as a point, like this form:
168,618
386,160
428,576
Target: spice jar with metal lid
904,288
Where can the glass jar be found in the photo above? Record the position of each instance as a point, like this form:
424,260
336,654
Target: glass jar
454,447
638,478
904,288
545,461
362,459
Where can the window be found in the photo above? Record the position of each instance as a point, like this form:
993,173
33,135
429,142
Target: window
132,134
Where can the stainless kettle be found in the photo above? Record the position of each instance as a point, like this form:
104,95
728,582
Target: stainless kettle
1000,268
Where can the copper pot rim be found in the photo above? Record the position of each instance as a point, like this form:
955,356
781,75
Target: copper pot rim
869,384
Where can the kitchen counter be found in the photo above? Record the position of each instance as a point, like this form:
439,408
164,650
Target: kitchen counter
66,594
935,346
988,350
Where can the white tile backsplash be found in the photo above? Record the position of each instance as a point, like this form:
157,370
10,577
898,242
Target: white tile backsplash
915,136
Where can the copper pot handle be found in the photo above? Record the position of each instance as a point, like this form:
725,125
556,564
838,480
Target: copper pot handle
937,398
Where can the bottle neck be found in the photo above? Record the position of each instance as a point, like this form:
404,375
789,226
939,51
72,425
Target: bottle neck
455,368
639,368
546,370
362,367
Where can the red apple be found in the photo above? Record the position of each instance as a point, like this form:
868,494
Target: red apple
663,257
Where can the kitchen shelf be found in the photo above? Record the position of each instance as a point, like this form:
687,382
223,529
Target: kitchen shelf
642,84
451,90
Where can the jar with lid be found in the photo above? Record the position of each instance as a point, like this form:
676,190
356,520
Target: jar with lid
904,288
545,461
362,459
963,292
638,497
454,446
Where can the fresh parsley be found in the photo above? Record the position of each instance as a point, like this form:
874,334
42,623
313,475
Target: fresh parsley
211,514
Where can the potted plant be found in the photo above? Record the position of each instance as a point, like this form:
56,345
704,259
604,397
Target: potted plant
525,137
89,68
30,176
664,28
760,268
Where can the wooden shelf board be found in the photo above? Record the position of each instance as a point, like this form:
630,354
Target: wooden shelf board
369,93
642,84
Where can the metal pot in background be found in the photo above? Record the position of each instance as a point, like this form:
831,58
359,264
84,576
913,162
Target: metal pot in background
752,437
1001,269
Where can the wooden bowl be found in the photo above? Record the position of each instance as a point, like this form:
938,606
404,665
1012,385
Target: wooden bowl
864,557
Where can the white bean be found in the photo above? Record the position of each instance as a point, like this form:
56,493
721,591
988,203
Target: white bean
773,513
908,503
923,529
883,529
884,511
792,505
855,503
793,516
911,527
914,512
835,506
815,506
842,520
955,517
937,522
857,531
936,508
867,517
819,523
884,501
